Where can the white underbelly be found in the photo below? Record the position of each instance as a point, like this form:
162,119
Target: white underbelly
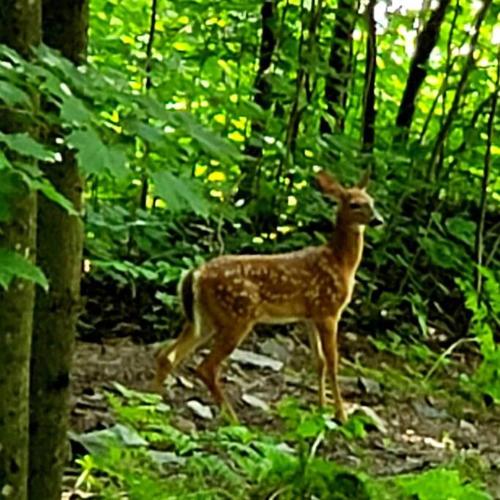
277,320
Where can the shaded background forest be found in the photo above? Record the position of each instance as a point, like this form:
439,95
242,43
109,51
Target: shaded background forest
278,89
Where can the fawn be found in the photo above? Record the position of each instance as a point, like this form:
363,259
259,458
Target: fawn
225,297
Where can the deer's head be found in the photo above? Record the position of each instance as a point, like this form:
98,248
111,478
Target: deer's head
356,206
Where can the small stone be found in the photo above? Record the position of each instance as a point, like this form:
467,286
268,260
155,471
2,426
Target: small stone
255,402
183,424
185,382
467,427
254,359
200,410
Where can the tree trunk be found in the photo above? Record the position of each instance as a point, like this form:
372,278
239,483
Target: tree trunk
60,239
426,41
370,74
20,29
262,89
337,81
143,199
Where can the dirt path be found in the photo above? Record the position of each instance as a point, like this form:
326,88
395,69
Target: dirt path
414,431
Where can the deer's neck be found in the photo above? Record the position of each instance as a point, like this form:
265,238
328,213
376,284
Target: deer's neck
347,245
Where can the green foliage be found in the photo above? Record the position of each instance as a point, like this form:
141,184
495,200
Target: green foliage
178,193
13,265
145,455
94,157
25,145
166,145
440,484
485,319
308,425
186,139
181,144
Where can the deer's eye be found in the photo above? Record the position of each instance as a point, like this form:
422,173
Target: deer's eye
354,205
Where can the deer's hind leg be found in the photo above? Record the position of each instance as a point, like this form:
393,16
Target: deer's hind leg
225,341
174,353
319,360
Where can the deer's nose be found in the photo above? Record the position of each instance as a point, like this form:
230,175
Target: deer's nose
377,219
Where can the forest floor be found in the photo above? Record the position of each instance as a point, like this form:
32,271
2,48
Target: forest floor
419,423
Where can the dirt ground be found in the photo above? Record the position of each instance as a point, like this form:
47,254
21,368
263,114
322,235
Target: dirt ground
415,431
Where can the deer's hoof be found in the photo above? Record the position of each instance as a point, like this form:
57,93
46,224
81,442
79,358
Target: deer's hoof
341,415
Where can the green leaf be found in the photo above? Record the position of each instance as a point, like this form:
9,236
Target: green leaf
213,144
443,254
25,145
431,485
95,157
145,131
98,442
11,55
74,111
117,162
13,96
51,193
462,229
179,193
4,162
14,265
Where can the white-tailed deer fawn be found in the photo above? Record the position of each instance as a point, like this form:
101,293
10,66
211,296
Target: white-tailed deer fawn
227,296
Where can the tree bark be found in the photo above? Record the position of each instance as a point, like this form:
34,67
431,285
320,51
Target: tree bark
147,86
426,41
262,91
60,239
262,97
370,75
337,81
20,29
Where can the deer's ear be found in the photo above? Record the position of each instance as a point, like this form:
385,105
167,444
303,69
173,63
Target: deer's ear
329,186
365,179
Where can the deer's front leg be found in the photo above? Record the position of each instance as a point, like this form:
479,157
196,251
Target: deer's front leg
319,360
327,329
